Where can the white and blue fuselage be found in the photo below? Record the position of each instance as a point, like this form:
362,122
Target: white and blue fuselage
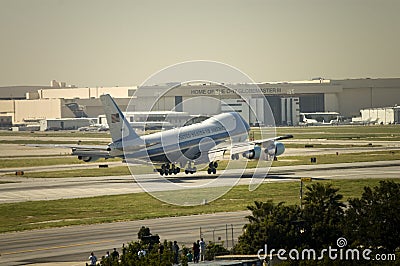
189,143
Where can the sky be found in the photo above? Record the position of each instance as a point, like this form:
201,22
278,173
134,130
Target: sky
110,43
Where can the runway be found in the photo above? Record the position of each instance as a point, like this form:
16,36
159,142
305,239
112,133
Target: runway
21,189
76,242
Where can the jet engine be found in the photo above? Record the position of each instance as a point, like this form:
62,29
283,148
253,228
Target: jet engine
275,149
253,154
279,148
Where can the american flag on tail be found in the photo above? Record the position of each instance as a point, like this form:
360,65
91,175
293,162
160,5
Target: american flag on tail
115,118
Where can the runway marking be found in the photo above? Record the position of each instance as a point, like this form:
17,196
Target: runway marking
56,247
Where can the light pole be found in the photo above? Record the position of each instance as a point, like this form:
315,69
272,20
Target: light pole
303,179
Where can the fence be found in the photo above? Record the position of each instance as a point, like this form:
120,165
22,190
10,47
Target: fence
224,235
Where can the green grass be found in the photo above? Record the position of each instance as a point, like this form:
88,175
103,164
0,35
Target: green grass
373,129
112,171
355,137
57,213
6,182
373,132
57,134
388,155
32,162
33,156
368,133
389,132
36,141
330,146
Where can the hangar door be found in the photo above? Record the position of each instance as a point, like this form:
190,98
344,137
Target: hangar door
275,104
312,103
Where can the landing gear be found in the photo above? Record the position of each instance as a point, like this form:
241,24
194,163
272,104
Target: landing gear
235,156
171,169
167,169
191,169
212,168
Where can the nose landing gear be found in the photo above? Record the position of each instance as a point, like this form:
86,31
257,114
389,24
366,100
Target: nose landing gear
191,169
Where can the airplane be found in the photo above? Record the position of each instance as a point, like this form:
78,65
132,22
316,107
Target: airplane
321,119
180,148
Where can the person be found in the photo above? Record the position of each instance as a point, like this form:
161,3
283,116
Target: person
107,254
115,254
123,249
141,253
92,259
189,256
175,251
202,249
196,251
160,248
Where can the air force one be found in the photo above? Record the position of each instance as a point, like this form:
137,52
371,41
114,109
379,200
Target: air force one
180,148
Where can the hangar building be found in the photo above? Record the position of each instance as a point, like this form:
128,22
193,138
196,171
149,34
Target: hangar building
22,105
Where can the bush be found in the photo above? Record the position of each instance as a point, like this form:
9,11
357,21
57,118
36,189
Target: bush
213,250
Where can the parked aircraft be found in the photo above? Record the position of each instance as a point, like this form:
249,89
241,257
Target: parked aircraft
320,119
180,148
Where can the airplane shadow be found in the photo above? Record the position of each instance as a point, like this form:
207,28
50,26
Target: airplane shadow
277,177
182,179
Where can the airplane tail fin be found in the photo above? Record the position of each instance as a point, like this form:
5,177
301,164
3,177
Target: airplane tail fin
119,126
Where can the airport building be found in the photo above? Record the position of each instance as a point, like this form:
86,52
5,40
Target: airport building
385,115
286,100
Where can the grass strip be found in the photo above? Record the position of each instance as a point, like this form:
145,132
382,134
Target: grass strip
331,132
57,134
111,171
388,155
282,161
378,129
329,146
32,162
50,142
369,133
58,213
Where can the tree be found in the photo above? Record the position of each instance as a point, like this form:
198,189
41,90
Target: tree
146,237
259,211
132,254
374,219
322,214
143,232
274,225
213,250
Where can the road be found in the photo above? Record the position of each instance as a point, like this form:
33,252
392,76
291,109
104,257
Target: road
31,189
76,242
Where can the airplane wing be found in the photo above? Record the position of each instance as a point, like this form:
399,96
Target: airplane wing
87,153
261,141
243,147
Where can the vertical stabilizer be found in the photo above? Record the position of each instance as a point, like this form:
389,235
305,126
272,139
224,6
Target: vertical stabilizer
119,126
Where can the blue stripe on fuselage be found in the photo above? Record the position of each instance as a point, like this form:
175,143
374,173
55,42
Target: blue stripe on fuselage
186,144
155,154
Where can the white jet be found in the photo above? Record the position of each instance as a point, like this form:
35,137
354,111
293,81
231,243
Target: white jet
180,148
